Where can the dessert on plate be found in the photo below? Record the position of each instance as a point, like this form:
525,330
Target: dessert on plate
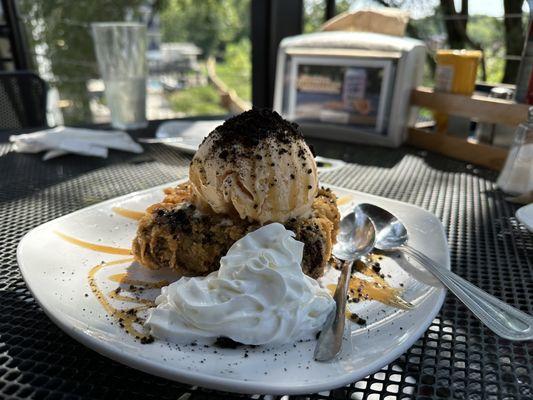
248,233
253,170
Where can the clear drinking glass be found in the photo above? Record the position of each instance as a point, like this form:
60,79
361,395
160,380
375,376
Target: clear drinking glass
121,53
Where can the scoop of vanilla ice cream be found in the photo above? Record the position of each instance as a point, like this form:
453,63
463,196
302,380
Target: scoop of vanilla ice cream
256,165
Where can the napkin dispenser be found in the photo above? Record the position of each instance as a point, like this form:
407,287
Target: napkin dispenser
349,86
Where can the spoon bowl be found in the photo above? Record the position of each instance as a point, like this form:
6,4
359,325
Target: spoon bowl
390,231
356,236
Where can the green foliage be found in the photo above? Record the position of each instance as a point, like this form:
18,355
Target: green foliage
238,55
489,31
236,70
201,100
220,28
428,27
315,12
60,29
210,24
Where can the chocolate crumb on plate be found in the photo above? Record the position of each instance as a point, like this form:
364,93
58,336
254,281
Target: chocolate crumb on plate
357,319
147,340
227,343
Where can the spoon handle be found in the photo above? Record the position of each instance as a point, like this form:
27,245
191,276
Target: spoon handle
503,319
330,340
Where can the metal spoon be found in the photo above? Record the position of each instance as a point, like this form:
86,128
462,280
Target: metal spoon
503,319
355,239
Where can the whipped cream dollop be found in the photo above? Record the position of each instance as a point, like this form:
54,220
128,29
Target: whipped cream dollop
258,296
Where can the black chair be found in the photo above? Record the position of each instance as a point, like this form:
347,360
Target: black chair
22,100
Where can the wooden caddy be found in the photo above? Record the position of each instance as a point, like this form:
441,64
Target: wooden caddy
482,109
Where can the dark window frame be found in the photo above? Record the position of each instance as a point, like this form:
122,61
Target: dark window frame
12,30
273,20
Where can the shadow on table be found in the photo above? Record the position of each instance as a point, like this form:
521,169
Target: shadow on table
357,153
26,175
385,157
39,359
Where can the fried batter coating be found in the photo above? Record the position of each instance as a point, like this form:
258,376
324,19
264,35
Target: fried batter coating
175,234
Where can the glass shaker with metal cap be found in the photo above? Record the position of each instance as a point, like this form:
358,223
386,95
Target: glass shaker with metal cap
517,174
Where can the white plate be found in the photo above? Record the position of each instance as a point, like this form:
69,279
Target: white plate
191,132
525,216
56,272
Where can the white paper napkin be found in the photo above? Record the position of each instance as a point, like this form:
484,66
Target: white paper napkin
63,140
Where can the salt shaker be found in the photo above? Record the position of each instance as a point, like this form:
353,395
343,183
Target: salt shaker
517,174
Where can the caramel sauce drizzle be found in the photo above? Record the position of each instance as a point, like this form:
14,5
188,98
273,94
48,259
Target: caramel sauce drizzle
93,246
127,213
115,294
344,200
127,319
376,288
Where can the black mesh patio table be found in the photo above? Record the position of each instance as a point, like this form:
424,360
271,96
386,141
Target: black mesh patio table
456,358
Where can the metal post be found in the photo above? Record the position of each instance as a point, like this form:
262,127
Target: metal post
272,20
330,9
15,35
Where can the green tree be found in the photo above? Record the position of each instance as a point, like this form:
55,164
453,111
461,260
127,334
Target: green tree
315,13
59,31
236,71
210,24
489,34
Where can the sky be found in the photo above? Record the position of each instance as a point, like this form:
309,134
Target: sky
494,8
423,8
